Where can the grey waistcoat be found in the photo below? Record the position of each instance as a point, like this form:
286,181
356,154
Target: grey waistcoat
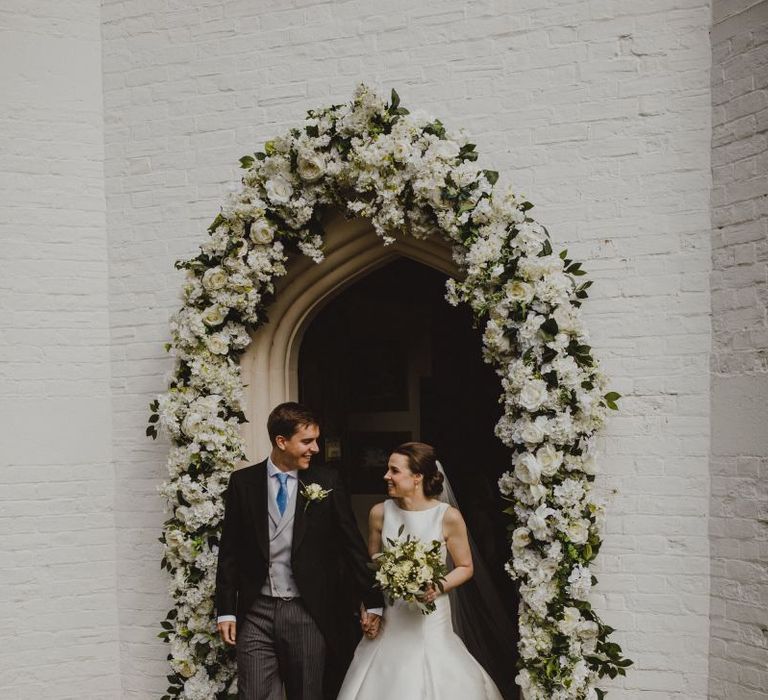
280,581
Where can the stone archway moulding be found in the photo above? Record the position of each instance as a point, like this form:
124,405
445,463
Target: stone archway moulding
400,178
270,364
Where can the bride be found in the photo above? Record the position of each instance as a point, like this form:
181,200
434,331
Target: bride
416,656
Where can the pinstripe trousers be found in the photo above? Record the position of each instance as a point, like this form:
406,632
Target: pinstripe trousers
279,645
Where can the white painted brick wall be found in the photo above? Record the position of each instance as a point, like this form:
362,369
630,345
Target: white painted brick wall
58,604
598,110
739,461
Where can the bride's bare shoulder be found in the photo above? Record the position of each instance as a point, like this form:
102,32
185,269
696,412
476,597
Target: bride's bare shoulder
452,518
376,516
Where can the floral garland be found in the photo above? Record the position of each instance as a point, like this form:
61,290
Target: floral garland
405,174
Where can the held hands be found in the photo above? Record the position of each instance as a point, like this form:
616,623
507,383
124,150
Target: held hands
228,631
370,623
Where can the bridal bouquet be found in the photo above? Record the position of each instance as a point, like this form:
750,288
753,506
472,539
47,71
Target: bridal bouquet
407,566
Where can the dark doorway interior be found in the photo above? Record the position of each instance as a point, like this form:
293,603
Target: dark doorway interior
389,360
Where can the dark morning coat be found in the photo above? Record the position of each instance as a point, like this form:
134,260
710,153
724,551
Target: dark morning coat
326,546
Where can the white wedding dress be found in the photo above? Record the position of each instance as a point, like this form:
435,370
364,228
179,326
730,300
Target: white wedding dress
415,656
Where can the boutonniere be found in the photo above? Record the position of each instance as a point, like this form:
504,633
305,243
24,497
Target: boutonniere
312,493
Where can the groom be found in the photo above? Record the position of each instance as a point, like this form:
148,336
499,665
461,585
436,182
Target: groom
277,582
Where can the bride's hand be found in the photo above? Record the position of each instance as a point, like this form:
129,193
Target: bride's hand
429,595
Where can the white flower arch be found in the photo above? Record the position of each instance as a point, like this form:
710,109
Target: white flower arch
406,175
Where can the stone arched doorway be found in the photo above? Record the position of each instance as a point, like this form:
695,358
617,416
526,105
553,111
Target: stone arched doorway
451,397
270,364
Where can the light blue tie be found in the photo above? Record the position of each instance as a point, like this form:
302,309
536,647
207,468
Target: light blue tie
282,493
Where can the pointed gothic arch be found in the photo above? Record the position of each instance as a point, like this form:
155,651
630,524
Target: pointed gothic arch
269,366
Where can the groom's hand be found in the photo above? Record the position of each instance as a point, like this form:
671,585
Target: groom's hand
371,623
228,631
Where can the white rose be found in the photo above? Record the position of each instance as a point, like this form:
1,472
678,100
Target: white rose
538,492
578,531
218,343
517,291
214,315
549,459
521,537
214,279
571,618
587,629
311,166
192,423
185,667
527,468
533,394
261,232
533,432
279,190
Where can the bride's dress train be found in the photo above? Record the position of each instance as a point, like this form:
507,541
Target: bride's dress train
415,656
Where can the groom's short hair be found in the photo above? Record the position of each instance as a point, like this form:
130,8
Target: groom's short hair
287,418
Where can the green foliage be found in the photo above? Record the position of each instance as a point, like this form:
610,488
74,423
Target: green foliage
610,400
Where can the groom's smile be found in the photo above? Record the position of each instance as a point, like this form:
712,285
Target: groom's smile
297,451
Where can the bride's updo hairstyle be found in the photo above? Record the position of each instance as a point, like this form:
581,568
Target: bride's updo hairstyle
422,460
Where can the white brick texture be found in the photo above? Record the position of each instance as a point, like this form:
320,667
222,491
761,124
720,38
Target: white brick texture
739,365
58,608
598,110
